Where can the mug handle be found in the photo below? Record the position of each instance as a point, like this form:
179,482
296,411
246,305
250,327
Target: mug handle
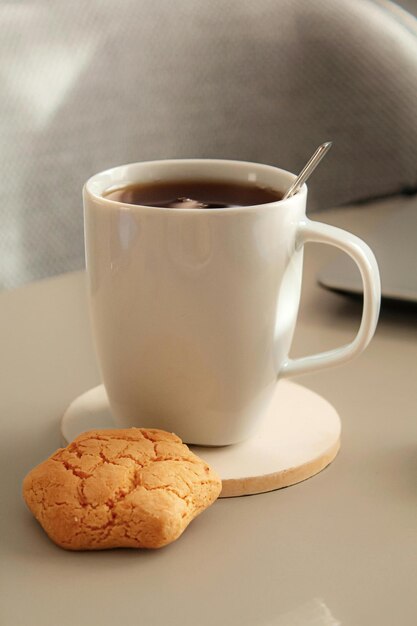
364,258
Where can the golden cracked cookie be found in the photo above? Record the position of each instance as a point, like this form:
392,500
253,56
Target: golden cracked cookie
131,488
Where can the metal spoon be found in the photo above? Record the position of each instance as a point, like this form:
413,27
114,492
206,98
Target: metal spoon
308,169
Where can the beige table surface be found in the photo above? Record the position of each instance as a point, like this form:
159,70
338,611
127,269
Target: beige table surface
338,548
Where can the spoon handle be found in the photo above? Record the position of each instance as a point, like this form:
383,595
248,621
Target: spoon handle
308,169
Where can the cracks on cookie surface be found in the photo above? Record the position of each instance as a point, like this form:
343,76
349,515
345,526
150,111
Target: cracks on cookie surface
105,459
76,471
73,448
90,516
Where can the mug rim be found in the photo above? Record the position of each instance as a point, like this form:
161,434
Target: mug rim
91,186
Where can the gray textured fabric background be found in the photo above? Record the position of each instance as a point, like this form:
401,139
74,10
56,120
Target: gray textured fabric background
89,85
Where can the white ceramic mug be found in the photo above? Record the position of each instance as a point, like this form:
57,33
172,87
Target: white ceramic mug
194,311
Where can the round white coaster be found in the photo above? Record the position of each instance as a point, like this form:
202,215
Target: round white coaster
297,438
